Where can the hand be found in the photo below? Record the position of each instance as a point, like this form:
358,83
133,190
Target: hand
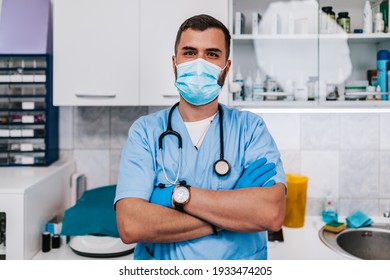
162,196
257,175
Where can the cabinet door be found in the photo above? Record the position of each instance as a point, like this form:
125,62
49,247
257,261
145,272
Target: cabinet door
160,21
95,52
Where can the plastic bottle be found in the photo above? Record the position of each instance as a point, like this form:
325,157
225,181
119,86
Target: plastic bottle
327,20
367,18
383,57
329,212
344,21
258,88
379,23
238,95
248,88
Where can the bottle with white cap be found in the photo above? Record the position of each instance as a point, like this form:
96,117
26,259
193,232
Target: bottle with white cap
238,95
367,18
248,88
258,88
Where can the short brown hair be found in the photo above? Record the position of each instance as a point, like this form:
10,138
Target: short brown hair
201,23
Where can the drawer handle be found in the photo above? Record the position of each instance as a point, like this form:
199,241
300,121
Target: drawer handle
176,95
96,95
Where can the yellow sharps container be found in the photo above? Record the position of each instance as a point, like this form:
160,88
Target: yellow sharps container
295,200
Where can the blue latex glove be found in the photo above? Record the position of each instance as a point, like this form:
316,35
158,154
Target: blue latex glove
162,196
257,175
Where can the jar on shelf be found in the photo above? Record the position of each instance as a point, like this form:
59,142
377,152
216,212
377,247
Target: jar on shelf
344,21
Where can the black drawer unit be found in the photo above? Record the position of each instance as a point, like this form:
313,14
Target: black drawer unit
28,119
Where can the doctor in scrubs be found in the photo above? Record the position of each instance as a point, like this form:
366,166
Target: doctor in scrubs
214,193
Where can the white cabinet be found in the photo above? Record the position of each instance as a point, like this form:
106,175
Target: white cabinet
96,46
299,50
160,21
29,198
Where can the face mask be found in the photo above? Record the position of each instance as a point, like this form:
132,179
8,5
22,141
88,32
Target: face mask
197,81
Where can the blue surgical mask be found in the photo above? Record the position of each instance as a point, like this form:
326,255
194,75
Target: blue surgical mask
197,81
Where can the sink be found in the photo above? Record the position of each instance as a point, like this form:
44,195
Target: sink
368,243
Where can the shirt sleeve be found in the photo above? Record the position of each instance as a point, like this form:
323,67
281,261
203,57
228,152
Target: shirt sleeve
136,168
260,144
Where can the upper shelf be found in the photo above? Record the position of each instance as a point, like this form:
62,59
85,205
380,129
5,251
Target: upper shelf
352,38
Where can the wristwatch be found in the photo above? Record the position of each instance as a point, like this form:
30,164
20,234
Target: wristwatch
181,196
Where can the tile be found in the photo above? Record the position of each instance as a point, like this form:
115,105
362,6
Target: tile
359,131
66,128
91,128
384,206
384,131
370,207
285,129
153,109
95,164
322,168
359,174
115,156
313,206
384,176
291,161
320,131
121,118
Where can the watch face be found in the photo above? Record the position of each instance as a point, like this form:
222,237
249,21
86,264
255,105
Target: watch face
181,194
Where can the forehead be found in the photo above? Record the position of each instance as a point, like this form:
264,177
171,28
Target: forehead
209,38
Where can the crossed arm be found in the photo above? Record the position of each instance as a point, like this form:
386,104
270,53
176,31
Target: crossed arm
247,208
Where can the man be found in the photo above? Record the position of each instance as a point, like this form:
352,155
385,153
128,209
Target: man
215,197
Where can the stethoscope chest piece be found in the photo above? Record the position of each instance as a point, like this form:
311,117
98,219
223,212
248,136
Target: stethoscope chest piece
222,167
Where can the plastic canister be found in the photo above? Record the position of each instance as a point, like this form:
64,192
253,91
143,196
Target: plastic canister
295,200
344,21
383,57
240,81
327,19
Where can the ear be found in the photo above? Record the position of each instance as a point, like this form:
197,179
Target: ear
174,63
228,64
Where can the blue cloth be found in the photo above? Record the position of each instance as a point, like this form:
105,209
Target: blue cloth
358,219
246,139
92,214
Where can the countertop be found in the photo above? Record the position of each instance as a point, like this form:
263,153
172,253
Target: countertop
299,244
18,179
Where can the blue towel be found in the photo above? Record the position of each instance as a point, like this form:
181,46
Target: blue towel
358,219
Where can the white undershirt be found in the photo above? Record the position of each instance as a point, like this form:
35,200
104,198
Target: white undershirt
197,130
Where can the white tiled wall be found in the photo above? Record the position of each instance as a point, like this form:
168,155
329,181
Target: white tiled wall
344,155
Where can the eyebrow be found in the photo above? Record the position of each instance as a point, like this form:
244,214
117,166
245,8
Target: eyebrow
189,48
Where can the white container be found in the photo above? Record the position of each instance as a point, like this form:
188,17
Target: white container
379,23
248,88
258,88
256,18
367,18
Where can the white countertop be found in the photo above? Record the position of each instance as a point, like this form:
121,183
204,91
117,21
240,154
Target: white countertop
303,243
299,244
18,179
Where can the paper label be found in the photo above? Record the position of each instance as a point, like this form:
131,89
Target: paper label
15,133
28,133
26,147
27,119
28,105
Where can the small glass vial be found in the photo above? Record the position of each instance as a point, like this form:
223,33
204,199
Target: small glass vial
379,23
344,21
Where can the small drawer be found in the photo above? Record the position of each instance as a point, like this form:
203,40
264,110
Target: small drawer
27,159
21,89
26,117
4,159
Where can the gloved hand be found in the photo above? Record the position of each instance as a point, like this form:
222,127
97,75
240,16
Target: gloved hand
257,175
162,196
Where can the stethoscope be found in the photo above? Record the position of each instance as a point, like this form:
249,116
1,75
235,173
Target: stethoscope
221,166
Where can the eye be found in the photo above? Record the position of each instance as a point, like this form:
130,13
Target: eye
189,53
213,54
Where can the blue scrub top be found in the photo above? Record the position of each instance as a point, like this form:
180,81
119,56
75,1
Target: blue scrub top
246,139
